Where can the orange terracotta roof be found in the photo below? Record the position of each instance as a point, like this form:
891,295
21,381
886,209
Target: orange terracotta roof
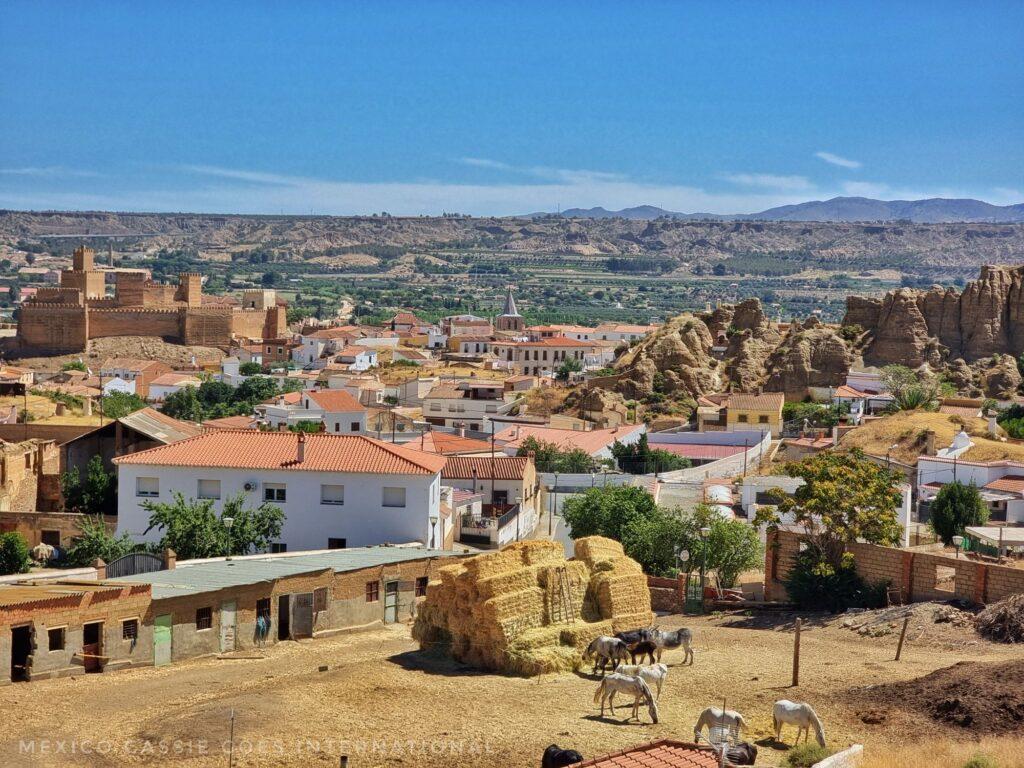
288,398
334,400
1009,483
505,467
658,754
566,439
324,452
754,401
231,422
550,341
447,444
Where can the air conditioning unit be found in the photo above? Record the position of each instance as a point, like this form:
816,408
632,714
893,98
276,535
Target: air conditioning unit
251,485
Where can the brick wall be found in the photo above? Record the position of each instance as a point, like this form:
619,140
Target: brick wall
133,322
920,574
32,524
208,326
53,327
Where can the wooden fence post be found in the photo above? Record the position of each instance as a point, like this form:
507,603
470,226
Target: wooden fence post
796,655
903,634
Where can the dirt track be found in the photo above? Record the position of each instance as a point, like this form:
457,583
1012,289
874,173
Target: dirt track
385,703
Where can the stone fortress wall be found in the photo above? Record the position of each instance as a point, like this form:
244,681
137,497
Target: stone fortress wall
62,320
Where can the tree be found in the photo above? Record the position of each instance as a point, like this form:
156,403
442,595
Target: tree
75,365
548,457
250,369
95,495
184,404
731,547
193,529
119,404
653,541
913,389
95,541
640,459
569,367
844,498
607,511
14,554
955,507
270,279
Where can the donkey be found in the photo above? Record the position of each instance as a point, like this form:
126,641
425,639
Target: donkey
556,757
666,640
606,649
630,686
645,648
800,714
654,675
715,717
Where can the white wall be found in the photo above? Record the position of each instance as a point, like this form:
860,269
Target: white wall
362,519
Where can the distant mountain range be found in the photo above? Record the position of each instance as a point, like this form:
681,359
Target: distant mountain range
936,210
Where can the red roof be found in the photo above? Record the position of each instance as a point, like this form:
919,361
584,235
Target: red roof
324,452
505,467
1009,484
658,754
446,443
334,400
550,341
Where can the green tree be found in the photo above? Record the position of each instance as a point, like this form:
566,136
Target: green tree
955,507
14,554
75,365
607,511
95,541
653,541
640,459
913,389
250,368
184,404
95,495
119,404
567,368
193,529
548,457
844,498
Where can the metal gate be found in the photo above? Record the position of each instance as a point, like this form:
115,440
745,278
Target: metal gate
391,602
302,615
134,563
694,594
162,631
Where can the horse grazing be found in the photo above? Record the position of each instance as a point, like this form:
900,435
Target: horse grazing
641,649
556,757
630,686
800,714
654,675
716,717
666,640
606,649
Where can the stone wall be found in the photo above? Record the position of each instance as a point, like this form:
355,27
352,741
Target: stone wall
134,322
53,327
32,524
920,573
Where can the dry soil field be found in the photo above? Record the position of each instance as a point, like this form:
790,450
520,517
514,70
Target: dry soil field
385,703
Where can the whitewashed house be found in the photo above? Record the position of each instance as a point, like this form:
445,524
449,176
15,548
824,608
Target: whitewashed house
336,491
168,384
336,409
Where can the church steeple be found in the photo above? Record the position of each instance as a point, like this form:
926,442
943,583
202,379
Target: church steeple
510,305
510,319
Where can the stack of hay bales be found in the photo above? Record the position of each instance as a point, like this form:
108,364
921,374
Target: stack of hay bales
527,610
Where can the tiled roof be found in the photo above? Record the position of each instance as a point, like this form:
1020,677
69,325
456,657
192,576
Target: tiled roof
447,444
658,754
324,452
173,379
1009,483
445,392
566,439
288,398
231,422
550,341
128,364
405,318
754,401
505,467
334,400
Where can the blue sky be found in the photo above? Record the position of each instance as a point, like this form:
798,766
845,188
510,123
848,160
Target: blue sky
494,108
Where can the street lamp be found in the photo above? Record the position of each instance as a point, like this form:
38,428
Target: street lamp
554,507
519,501
958,542
433,522
228,522
892,448
704,531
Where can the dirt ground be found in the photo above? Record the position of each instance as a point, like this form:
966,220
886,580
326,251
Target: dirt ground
383,702
135,347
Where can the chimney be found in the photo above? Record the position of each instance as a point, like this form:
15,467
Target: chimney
170,559
929,443
302,447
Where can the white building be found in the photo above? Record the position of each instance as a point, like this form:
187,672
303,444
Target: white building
622,331
335,490
168,384
1000,483
357,358
336,409
469,404
542,357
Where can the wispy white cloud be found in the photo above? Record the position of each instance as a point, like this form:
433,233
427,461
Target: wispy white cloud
834,159
770,181
49,172
483,162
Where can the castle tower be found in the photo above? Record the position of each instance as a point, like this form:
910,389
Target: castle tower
83,276
509,319
83,259
190,289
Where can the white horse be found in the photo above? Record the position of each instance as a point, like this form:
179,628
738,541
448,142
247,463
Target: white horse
716,717
800,714
606,649
665,640
630,686
653,674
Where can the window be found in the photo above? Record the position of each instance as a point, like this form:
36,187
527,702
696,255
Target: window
332,494
319,599
436,407
28,461
274,492
762,419
742,418
421,586
147,486
393,497
51,537
263,609
204,618
208,489
130,629
276,547
372,591
335,543
355,426
55,636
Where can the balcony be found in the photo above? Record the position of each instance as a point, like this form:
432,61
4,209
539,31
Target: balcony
494,528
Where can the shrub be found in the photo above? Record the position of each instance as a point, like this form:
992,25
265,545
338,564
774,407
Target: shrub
14,554
955,507
981,760
816,584
806,755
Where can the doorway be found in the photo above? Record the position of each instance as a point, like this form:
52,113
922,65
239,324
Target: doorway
92,646
391,602
284,610
228,613
21,653
302,615
162,632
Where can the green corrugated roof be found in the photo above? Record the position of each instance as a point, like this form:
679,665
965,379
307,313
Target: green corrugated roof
188,579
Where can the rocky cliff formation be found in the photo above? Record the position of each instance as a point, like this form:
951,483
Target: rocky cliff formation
940,325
